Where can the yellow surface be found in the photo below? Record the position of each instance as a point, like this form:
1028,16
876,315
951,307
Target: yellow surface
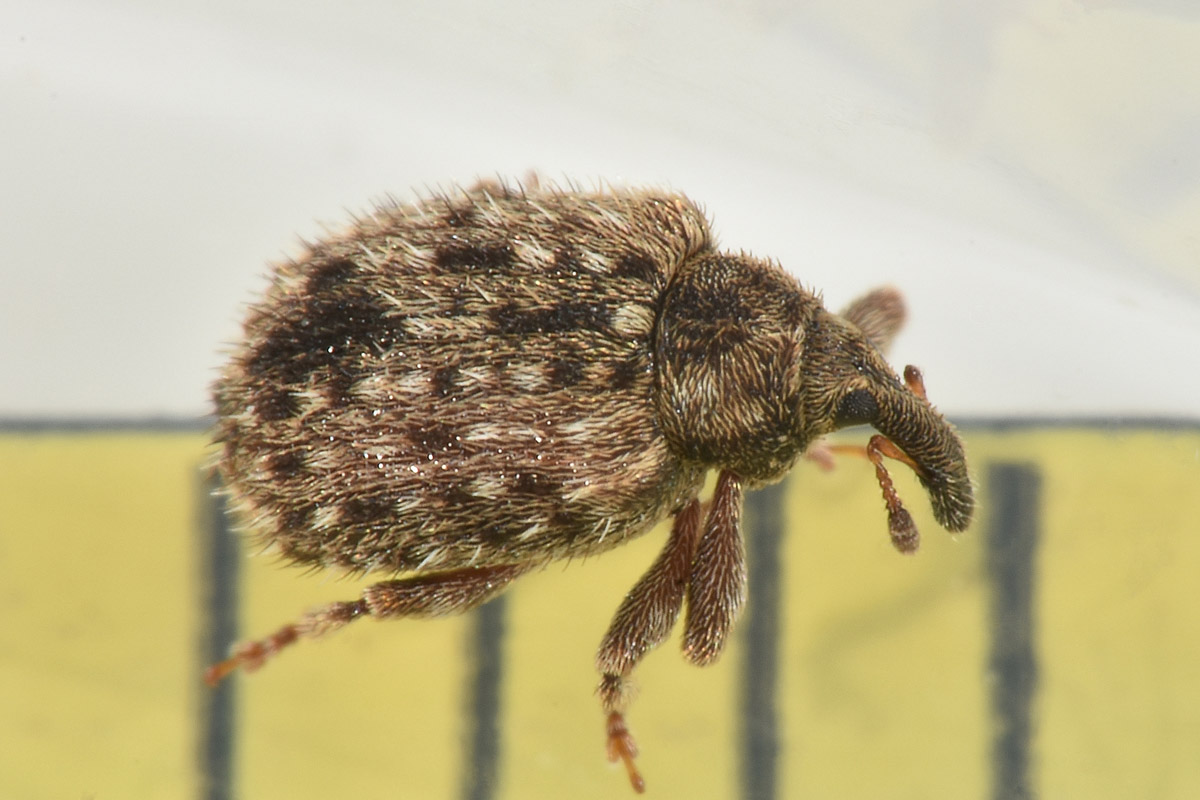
97,647
882,673
374,710
883,684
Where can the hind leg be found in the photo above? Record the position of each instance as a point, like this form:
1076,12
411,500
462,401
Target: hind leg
431,595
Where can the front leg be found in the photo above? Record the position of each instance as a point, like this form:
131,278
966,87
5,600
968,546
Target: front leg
643,621
717,583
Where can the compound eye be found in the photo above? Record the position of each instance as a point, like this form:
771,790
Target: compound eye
858,407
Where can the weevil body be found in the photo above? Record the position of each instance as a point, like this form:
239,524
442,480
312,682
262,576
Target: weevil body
463,389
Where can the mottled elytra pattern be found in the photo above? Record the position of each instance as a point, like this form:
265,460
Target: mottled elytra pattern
457,391
425,395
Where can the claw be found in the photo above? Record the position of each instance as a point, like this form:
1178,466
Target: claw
251,655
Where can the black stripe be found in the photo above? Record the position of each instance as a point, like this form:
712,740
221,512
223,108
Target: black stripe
1014,497
485,653
219,558
760,669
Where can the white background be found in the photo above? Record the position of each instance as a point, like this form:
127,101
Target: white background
1028,172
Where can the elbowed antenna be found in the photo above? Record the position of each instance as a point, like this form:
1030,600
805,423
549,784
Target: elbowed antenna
913,432
909,421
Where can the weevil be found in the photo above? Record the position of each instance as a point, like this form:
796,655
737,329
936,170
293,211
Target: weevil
459,390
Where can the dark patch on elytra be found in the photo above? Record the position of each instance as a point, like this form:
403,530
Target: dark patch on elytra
636,265
565,372
456,496
569,315
625,372
337,389
326,278
366,510
566,261
285,465
295,519
329,331
442,381
438,436
495,535
536,484
465,257
275,405
567,523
